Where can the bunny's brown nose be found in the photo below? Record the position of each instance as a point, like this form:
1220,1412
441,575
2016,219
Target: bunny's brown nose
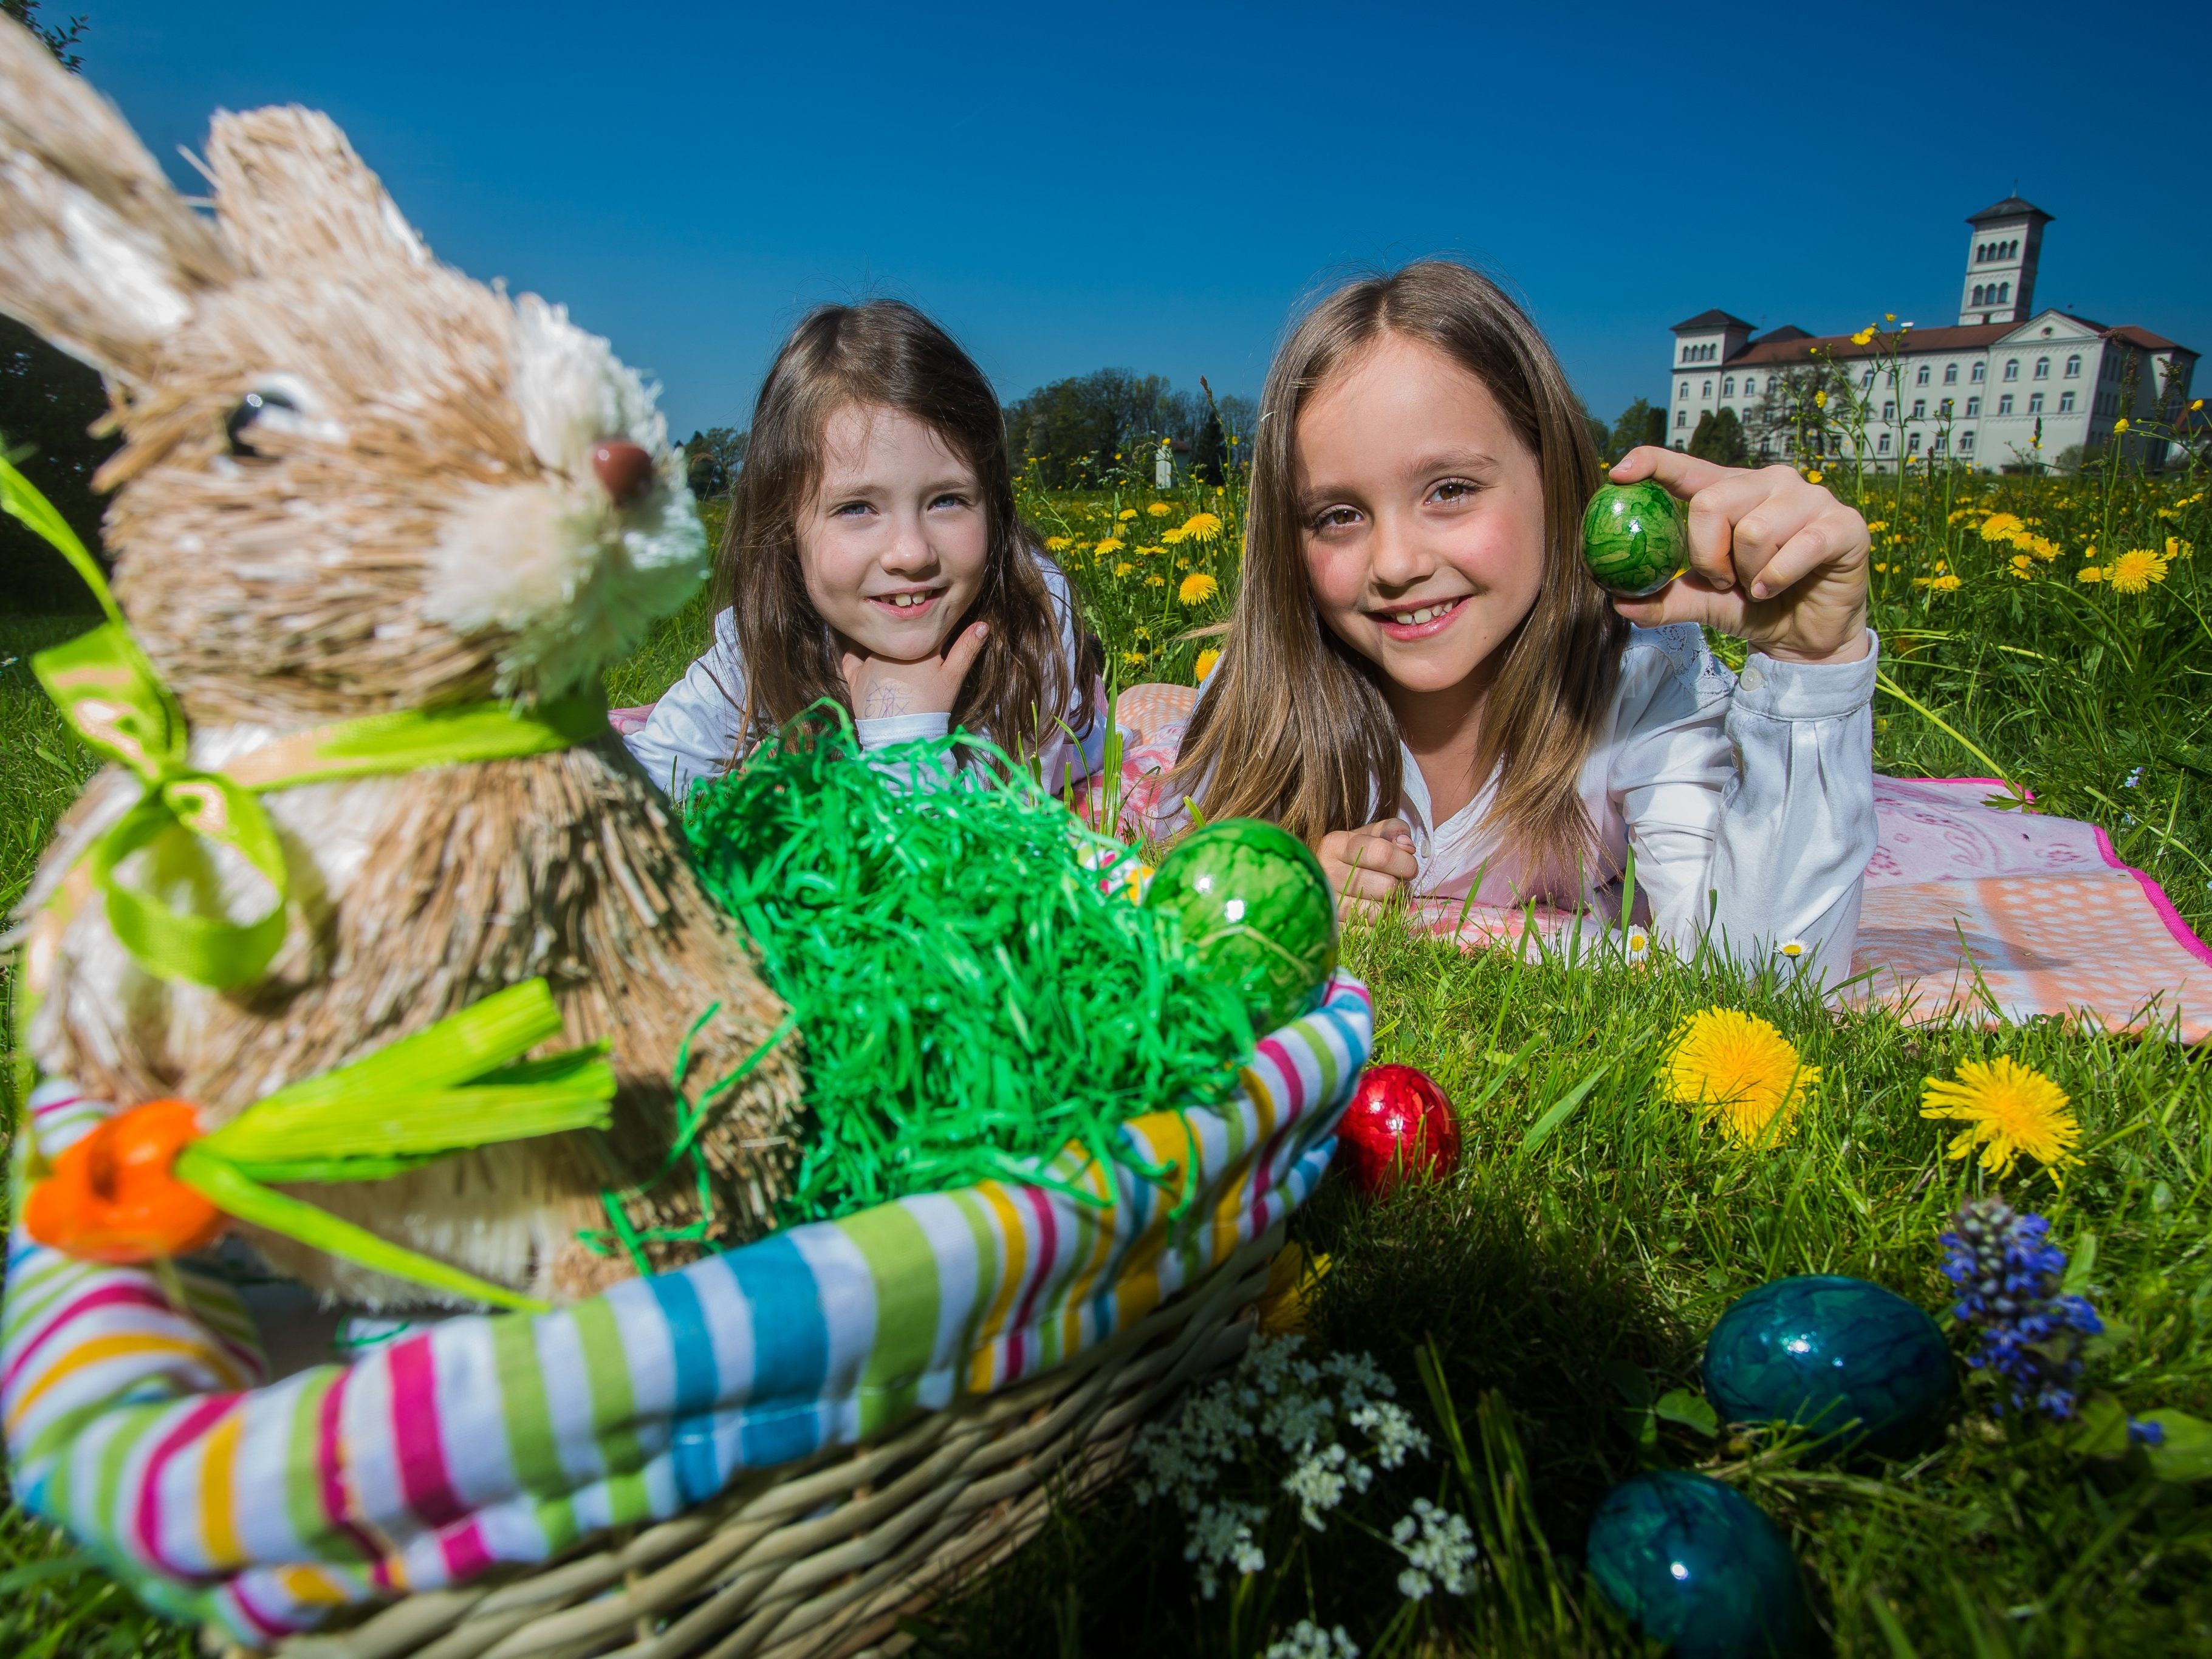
624,469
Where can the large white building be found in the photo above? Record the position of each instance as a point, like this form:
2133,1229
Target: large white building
2007,386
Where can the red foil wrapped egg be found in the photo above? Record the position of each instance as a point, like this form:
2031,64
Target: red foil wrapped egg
1398,1125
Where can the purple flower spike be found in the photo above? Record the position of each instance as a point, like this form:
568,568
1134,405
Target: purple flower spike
2008,1272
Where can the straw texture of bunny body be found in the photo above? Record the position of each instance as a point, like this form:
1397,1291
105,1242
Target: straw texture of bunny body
355,482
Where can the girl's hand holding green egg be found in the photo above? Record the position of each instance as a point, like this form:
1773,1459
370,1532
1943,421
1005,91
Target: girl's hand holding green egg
1774,560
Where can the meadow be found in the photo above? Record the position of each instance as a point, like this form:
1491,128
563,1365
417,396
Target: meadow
1541,1312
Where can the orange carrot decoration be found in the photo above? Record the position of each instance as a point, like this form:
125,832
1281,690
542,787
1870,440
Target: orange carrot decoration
114,1196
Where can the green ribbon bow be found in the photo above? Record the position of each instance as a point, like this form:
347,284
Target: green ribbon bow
112,697
457,1084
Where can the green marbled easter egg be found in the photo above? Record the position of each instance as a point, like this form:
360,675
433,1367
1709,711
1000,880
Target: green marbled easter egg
1836,1355
1250,900
1633,538
1699,1568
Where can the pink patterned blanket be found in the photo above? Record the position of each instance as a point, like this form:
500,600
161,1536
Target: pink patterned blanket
1983,912
1979,911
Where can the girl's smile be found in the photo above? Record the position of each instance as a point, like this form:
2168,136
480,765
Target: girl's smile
1420,622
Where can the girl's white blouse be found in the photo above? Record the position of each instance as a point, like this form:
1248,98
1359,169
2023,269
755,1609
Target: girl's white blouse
694,731
1746,802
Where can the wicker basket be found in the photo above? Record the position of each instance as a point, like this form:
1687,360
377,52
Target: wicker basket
822,1558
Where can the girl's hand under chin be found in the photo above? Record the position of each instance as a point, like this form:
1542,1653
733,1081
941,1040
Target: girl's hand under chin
883,687
1778,562
1367,865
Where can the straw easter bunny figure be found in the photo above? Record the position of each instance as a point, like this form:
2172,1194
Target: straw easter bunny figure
354,481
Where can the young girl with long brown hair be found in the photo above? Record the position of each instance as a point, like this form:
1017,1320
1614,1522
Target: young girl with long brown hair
874,558
1422,682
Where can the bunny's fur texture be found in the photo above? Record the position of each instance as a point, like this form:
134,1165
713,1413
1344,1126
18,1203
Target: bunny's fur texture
354,482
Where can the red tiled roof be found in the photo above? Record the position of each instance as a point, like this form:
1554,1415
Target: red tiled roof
1797,350
2146,339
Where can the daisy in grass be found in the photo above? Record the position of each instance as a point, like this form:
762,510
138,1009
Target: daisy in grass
1736,1067
2009,1110
1197,588
2135,570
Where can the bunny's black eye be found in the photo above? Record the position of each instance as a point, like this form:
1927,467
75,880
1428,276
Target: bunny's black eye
249,410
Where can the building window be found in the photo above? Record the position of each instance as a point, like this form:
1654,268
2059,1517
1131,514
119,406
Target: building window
2073,368
1681,417
1884,445
1942,442
2004,404
1912,444
1966,443
2035,402
1706,390
1921,378
1750,386
2043,369
2011,368
1889,411
2065,403
1973,407
1950,374
1920,408
1683,390
1728,386
1866,381
1944,408
1981,372
1977,293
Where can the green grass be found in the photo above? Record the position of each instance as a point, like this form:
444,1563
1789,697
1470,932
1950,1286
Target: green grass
1566,1282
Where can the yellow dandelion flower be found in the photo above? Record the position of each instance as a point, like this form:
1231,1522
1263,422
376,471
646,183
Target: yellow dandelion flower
1814,477
1159,509
1864,335
1111,544
1125,514
2041,547
1820,400
2120,425
2135,570
1943,584
1155,581
1171,537
1736,1068
2090,573
1057,544
1878,526
1203,526
2001,526
1197,588
1133,659
2009,1110
1207,658
2022,566
1147,550
2196,405
2178,548
1125,568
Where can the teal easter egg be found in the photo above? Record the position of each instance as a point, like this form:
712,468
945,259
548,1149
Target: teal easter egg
1836,1355
1698,1567
1251,901
1633,538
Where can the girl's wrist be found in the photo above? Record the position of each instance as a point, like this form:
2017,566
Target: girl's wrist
1856,650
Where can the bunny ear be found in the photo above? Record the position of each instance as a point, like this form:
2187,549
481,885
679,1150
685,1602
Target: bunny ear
97,252
292,196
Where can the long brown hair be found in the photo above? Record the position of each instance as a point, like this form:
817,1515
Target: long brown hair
1293,726
886,354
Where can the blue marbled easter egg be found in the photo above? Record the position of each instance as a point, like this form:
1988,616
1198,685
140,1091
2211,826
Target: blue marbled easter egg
1698,1567
1821,1350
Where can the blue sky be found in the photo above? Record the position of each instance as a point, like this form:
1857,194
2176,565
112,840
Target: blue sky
1154,188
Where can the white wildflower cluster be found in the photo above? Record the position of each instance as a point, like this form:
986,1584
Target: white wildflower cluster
1278,1403
1439,1550
1307,1640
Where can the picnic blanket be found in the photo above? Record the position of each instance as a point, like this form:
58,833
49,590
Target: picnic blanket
1982,912
153,1435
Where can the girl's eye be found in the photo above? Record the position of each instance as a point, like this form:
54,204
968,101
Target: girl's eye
1453,490
1336,517
949,499
850,509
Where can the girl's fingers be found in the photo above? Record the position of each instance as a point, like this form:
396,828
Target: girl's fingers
1683,475
1820,542
960,656
1372,854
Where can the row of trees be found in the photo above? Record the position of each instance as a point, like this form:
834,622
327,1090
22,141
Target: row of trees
1083,429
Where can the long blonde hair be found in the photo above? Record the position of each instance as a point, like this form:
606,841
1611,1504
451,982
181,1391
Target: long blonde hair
1293,726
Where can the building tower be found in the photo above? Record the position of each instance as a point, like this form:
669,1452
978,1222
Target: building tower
2001,249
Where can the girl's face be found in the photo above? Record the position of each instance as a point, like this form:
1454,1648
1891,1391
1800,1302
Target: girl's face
1423,514
893,543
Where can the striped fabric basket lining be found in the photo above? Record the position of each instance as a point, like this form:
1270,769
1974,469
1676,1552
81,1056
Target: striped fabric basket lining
824,1558
484,1447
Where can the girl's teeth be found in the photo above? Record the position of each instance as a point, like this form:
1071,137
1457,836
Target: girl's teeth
1415,618
907,601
